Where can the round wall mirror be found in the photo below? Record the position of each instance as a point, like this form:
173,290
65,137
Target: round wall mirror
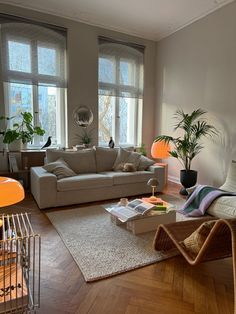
83,116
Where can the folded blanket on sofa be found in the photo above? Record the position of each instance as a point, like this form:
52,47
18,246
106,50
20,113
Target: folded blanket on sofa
201,198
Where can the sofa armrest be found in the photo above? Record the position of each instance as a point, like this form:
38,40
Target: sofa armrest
43,187
159,173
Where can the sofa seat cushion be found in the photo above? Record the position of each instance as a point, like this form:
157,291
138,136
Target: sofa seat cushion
84,181
129,177
223,207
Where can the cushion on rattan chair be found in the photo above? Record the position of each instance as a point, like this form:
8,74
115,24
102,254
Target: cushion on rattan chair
195,241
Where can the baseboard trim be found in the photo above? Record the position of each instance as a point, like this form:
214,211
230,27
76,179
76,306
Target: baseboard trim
174,179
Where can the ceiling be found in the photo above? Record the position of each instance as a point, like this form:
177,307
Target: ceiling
151,19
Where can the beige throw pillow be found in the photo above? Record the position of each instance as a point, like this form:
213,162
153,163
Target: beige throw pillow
134,159
126,167
60,169
120,167
128,157
195,241
129,167
122,157
144,163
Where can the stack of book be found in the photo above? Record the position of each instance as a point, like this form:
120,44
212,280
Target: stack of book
160,205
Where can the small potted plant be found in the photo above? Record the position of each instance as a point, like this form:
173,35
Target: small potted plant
194,127
85,138
22,131
142,150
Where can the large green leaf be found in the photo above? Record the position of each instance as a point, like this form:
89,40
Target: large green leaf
10,136
23,129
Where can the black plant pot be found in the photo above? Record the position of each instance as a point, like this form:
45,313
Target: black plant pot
188,178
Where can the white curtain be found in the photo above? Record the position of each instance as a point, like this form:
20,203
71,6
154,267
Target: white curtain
32,54
120,69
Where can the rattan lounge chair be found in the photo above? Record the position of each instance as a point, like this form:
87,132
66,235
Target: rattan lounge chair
220,243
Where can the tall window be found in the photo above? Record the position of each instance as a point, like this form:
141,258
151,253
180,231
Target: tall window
33,74
120,93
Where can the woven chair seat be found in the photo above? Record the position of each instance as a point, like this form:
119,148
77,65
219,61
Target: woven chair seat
220,243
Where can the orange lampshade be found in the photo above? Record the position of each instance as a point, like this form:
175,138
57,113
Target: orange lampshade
160,150
11,191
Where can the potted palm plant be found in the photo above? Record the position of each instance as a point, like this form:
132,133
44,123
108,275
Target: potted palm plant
194,127
22,131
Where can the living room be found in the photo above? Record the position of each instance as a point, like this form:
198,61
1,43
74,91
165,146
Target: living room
187,56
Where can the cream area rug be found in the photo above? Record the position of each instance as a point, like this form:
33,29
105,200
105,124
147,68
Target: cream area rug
100,248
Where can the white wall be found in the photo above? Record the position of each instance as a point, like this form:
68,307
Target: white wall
196,67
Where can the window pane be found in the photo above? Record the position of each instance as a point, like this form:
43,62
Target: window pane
106,119
20,99
107,72
127,73
47,61
49,113
120,75
127,113
19,56
141,76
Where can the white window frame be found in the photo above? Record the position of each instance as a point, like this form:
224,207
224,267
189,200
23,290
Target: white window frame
44,79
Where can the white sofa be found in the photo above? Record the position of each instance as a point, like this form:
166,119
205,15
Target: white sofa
224,207
95,179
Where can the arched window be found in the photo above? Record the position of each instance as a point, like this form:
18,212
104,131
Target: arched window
33,73
120,92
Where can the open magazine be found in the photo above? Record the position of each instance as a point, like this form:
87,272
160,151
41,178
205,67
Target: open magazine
133,209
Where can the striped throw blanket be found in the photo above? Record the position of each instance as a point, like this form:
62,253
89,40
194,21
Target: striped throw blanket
199,201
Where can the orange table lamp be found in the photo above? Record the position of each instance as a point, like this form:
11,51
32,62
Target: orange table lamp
160,150
11,191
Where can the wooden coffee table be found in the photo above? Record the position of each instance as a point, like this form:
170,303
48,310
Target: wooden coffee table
148,222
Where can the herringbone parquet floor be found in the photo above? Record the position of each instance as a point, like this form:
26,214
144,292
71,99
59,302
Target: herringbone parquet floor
168,287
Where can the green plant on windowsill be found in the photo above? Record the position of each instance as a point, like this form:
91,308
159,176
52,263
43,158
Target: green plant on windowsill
23,130
142,150
86,137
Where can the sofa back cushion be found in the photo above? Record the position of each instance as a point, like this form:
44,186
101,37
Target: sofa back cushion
82,161
105,158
